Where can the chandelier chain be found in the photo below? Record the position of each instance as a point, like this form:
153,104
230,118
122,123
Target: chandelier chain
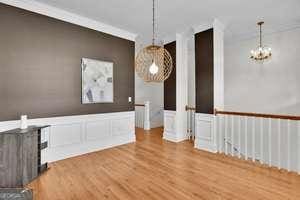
153,22
260,40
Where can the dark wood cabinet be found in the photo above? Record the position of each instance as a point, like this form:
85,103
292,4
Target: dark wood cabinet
20,153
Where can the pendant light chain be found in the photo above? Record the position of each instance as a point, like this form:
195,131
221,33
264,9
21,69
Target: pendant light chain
153,22
153,63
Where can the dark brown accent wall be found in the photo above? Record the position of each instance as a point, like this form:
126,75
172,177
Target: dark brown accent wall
40,66
170,83
204,54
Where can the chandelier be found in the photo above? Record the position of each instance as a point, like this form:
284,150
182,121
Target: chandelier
262,52
153,63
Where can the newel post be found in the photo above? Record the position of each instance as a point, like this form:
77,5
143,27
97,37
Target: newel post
147,116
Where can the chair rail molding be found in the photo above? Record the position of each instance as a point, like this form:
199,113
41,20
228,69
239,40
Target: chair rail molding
70,136
70,17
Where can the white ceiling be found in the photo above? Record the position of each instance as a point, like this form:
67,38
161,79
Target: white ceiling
239,16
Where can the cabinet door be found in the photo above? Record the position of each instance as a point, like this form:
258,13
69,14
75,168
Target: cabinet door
10,161
30,156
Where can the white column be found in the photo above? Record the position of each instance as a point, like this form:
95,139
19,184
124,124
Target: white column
218,71
218,64
181,86
147,116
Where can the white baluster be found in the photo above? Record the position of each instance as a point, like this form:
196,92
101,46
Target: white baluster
142,119
298,146
279,144
220,133
288,146
246,138
239,135
270,142
188,124
232,135
261,140
147,116
253,139
226,138
193,124
216,125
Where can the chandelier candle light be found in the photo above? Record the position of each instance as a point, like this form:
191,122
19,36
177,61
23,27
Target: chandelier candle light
262,52
153,63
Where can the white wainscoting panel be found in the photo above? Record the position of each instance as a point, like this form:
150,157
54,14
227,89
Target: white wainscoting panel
76,135
94,127
122,126
65,134
169,126
204,132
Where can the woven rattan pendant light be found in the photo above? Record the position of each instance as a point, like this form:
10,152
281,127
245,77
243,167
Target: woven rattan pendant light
153,63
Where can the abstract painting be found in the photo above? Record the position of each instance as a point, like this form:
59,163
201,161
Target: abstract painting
97,81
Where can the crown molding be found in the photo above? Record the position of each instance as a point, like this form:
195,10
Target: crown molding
202,27
70,17
169,39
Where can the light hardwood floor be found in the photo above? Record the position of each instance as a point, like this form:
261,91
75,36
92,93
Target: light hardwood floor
155,169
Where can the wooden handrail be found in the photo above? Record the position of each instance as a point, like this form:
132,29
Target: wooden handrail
289,117
189,108
143,105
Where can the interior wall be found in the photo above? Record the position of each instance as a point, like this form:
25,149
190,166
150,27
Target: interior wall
170,83
40,66
204,62
269,87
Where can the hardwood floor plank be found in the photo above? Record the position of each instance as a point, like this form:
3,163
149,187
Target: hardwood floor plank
154,169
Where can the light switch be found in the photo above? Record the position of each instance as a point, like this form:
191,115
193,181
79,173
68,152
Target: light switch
129,99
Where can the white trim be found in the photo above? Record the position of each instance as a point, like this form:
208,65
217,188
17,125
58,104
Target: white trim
169,39
73,18
181,84
173,138
202,27
76,135
205,145
218,40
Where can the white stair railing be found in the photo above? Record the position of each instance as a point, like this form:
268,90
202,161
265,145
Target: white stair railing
273,140
190,122
142,115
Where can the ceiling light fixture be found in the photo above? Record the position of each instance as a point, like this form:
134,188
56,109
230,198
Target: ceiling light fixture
262,52
153,63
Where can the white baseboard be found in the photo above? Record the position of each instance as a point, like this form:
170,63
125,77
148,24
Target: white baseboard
173,138
205,145
75,135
